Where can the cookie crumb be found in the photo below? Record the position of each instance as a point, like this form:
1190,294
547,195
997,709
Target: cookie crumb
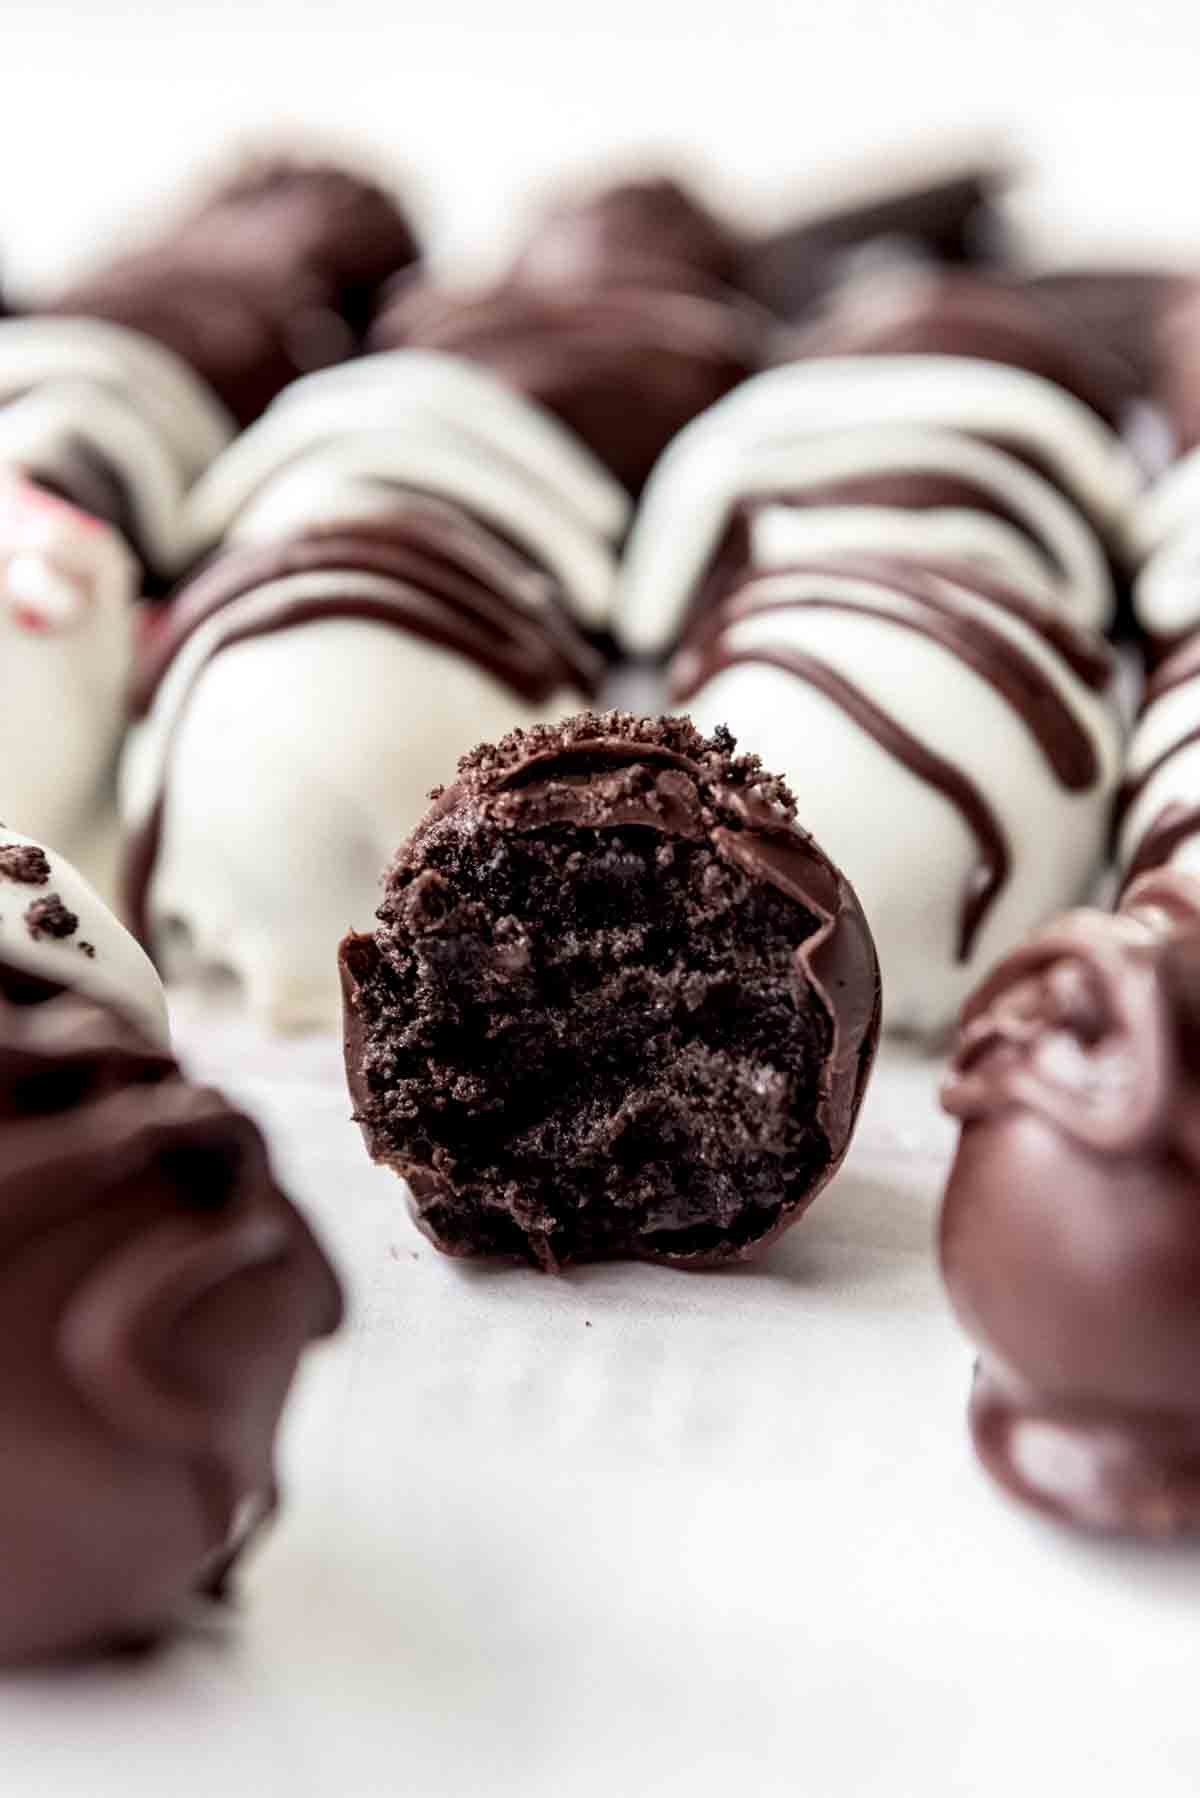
24,863
49,917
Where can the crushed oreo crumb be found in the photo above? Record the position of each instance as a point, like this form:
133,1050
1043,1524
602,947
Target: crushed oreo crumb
88,949
50,917
25,863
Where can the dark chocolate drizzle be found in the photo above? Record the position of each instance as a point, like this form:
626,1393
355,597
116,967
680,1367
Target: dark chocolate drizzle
1135,785
903,489
1173,826
994,856
444,592
1064,741
1176,671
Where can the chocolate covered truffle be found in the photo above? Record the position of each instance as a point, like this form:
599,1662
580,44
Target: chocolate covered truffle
953,218
158,1291
653,229
617,1002
1070,1237
273,275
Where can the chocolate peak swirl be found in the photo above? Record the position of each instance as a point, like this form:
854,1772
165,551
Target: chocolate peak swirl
618,1003
158,1290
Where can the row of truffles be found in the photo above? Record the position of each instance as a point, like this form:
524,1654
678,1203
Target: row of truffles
159,1290
887,561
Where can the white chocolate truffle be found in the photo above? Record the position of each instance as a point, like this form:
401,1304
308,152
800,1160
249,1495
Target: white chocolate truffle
68,587
957,760
412,421
770,431
55,927
111,419
317,689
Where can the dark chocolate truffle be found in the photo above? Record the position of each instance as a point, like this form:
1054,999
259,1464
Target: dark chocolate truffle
275,274
1070,1237
625,364
158,1290
652,230
953,220
618,1002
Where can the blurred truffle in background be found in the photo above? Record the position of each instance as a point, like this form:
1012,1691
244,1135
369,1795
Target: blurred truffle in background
615,316
274,274
954,219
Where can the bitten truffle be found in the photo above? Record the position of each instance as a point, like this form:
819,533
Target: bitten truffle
158,1290
1070,1236
617,1004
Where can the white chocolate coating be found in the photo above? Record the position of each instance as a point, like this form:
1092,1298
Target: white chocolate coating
1170,506
418,421
904,845
70,386
1166,593
1161,736
1048,552
68,587
771,426
275,833
116,973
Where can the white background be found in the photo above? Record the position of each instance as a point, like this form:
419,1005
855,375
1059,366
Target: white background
108,104
628,1533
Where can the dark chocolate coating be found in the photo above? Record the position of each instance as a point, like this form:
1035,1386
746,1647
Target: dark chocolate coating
274,275
967,313
955,220
158,1290
618,1003
652,230
624,364
1121,308
1070,1235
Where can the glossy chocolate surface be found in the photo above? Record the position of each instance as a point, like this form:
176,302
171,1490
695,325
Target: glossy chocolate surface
1070,1237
